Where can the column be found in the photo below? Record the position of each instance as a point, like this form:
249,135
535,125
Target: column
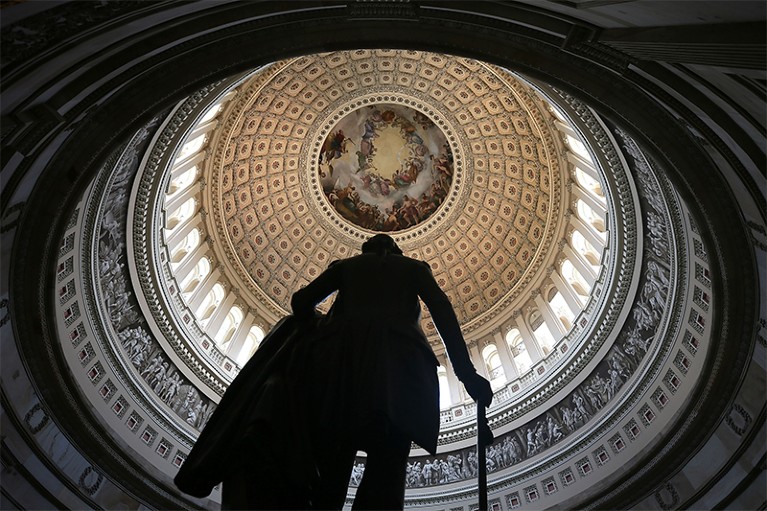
203,128
583,164
531,344
588,232
566,128
187,264
507,361
174,237
172,204
187,163
238,340
585,269
219,315
199,294
553,322
478,359
567,293
597,206
453,383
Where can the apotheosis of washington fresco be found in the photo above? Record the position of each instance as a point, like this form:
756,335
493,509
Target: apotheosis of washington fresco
386,167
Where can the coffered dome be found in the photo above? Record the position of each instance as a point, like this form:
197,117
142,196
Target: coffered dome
258,182
486,165
280,171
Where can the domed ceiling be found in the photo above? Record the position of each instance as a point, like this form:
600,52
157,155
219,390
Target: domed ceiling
260,180
190,210
485,181
269,222
458,160
468,166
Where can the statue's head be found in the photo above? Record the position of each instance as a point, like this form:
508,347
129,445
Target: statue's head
381,244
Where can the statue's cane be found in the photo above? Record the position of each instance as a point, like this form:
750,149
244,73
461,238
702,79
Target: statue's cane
484,438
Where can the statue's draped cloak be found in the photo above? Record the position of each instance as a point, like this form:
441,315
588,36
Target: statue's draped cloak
259,394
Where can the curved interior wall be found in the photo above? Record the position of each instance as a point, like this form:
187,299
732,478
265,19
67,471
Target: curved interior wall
124,400
724,411
172,318
139,381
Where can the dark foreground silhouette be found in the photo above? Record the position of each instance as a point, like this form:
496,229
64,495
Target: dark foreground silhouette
320,388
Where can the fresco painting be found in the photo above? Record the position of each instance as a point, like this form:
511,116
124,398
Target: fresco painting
385,167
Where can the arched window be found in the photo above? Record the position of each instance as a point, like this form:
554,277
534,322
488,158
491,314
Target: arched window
183,213
229,327
578,148
252,341
562,310
212,112
589,184
209,304
576,281
582,246
493,364
590,217
519,351
191,147
258,335
542,334
444,388
197,275
185,246
183,181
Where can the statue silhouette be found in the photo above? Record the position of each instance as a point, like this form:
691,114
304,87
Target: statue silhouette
319,389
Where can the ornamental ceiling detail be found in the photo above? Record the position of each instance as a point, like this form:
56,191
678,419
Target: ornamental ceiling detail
458,160
397,173
610,368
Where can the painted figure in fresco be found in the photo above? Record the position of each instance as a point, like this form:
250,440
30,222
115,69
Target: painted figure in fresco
429,472
173,384
554,430
644,315
154,364
657,230
395,193
531,449
334,146
455,469
370,131
581,410
206,414
357,471
541,441
472,465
